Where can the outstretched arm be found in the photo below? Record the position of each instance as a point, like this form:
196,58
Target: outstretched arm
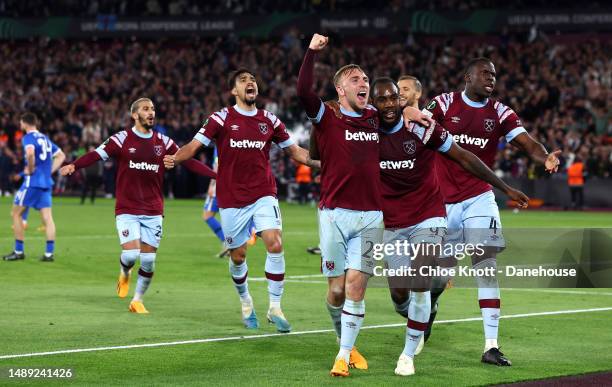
82,162
537,151
199,168
308,98
476,167
302,156
186,152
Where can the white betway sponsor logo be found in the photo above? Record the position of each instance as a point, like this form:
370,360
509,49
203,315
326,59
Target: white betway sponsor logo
144,166
400,164
360,136
247,144
477,141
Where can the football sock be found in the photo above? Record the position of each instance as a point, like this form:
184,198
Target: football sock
18,246
352,318
239,275
127,260
402,309
489,302
50,248
215,226
275,274
418,317
335,312
145,274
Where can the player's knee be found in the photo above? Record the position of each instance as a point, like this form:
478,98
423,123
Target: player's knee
147,262
399,296
275,247
335,294
207,215
238,255
355,291
128,257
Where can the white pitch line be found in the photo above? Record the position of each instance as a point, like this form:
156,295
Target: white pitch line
250,337
296,279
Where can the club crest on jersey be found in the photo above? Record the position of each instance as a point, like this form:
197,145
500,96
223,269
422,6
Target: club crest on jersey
330,265
409,147
158,150
372,123
125,233
489,125
263,128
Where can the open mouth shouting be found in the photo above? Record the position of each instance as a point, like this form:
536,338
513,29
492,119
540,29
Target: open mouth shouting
250,92
362,96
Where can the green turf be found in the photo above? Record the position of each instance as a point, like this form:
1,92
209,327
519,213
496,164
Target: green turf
71,304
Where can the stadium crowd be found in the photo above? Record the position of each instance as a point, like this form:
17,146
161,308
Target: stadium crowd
139,8
82,89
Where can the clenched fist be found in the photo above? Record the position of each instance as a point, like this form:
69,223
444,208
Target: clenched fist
318,42
169,161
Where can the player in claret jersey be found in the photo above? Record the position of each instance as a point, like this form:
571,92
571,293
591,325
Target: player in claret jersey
350,215
246,189
412,204
476,122
140,203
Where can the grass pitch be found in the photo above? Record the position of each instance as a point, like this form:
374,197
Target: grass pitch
71,304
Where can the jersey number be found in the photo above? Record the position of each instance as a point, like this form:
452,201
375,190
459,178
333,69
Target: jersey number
45,147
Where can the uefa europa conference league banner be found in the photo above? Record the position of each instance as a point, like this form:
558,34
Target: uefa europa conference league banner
477,22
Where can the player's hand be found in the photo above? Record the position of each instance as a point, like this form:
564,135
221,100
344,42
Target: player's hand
67,170
335,107
522,200
415,115
169,162
318,42
552,161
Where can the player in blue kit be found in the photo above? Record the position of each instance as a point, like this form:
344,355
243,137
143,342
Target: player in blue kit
42,159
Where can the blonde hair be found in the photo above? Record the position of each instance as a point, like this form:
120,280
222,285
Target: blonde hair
136,104
345,70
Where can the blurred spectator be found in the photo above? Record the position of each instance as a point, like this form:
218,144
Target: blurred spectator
92,176
81,89
575,181
303,177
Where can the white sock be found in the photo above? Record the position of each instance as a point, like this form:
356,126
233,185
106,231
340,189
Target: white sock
418,317
239,275
275,274
353,314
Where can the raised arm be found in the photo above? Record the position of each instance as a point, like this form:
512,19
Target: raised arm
307,96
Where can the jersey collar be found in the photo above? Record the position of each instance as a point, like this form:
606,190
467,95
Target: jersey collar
471,103
349,113
394,129
141,135
249,113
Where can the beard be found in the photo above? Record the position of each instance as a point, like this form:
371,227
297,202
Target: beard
145,124
249,101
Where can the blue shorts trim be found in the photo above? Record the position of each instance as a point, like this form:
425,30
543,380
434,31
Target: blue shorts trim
34,197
